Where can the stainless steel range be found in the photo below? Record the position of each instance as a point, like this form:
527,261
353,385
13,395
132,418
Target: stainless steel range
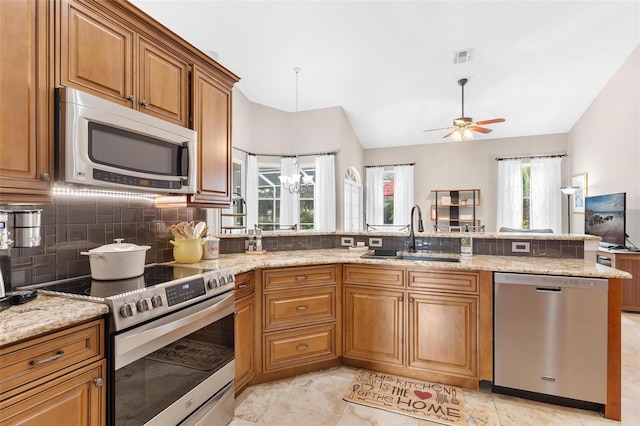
170,344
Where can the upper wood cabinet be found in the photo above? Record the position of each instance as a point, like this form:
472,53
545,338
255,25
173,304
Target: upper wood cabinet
26,159
212,122
106,57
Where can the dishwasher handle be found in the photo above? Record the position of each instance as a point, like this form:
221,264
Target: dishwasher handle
549,289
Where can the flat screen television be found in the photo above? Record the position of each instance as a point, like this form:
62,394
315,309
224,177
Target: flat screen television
605,216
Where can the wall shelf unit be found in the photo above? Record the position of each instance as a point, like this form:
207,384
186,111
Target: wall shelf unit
455,209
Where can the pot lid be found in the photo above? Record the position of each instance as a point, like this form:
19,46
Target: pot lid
119,247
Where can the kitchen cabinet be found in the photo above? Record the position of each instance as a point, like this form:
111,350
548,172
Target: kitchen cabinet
455,208
107,57
417,322
26,163
57,379
629,262
300,319
245,322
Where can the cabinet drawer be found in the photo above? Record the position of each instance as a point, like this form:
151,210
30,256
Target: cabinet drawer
299,276
373,275
245,285
29,363
302,346
450,281
293,308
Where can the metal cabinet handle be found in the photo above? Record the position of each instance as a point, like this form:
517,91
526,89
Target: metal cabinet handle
143,103
45,176
302,307
302,347
98,382
301,277
49,359
411,300
244,285
131,98
400,299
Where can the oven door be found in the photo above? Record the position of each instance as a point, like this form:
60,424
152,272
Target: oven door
167,369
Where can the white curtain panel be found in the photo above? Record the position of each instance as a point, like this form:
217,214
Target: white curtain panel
324,217
402,194
509,194
251,195
289,203
546,197
375,195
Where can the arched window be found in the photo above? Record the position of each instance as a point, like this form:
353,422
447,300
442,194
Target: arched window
352,201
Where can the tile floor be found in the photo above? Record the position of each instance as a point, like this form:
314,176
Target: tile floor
316,399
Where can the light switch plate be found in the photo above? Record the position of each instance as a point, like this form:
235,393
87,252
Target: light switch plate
375,242
520,247
346,241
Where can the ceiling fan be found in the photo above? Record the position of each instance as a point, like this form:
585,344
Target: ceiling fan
464,126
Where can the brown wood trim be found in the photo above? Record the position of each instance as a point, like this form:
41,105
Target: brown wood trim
613,407
485,327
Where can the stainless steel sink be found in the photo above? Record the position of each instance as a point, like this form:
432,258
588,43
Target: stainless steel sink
424,257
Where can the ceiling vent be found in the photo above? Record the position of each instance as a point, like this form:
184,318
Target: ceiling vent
463,56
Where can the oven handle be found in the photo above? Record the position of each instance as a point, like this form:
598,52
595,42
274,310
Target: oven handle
140,341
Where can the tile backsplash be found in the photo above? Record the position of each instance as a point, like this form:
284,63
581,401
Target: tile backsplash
74,224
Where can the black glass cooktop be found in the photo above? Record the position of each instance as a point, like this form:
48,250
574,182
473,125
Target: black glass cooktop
153,275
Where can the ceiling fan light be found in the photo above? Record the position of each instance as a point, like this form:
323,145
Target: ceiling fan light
457,135
467,135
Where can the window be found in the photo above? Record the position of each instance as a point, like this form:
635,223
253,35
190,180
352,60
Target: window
388,183
525,168
352,202
269,193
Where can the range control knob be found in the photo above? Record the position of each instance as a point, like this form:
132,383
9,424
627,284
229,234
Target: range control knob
128,310
223,281
144,305
230,278
213,283
156,300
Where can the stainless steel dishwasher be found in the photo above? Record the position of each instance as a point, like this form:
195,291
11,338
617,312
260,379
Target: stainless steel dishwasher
550,338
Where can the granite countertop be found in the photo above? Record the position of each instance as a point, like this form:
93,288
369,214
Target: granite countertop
45,314
49,313
240,263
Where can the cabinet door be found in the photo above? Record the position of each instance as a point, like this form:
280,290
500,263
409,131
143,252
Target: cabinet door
75,399
163,83
96,54
212,121
26,155
443,333
374,324
630,288
244,341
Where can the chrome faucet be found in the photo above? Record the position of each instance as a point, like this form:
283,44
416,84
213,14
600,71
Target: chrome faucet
412,235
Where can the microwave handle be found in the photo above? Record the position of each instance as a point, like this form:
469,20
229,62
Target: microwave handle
183,160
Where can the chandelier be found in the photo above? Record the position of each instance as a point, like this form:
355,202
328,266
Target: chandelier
298,180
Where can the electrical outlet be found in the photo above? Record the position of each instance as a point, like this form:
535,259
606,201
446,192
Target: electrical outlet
346,241
375,242
520,247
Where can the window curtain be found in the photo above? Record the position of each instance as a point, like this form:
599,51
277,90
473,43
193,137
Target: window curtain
402,194
375,195
324,217
546,197
289,203
251,191
509,194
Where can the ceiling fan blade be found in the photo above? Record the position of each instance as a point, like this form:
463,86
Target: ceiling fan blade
481,129
448,134
493,120
441,128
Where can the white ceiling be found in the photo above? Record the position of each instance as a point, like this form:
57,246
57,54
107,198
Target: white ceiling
389,64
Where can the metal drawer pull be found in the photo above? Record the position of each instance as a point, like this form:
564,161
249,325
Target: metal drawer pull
49,359
302,307
302,347
98,382
301,277
242,286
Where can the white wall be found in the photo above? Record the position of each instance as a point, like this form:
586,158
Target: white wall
465,165
605,143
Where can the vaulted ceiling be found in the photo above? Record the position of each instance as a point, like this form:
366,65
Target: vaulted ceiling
389,64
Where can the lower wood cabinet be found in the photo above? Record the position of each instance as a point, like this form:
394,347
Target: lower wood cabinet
629,262
56,379
245,323
299,346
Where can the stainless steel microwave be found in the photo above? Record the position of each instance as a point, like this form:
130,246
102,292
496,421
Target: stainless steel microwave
101,143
